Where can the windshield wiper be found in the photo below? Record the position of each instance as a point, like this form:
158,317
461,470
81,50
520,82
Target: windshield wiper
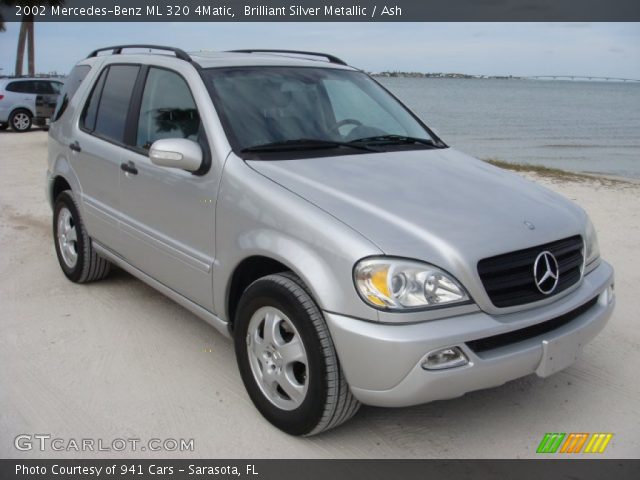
305,144
397,139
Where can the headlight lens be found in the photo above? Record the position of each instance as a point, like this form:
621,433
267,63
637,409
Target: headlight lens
592,249
397,284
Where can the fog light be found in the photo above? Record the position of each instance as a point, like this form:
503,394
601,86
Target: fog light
610,293
445,358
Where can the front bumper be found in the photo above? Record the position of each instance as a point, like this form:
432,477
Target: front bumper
48,189
382,362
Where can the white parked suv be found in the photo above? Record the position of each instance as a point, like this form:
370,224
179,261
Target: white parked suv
297,206
18,101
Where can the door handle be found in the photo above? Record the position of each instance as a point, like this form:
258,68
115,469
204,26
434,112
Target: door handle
129,167
75,146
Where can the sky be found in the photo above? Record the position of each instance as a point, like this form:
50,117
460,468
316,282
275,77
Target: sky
590,49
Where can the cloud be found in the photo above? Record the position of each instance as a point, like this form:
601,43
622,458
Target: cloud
482,48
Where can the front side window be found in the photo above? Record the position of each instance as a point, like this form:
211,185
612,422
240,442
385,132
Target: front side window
167,109
303,108
107,109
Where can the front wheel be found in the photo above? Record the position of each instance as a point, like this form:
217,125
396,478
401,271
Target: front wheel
287,359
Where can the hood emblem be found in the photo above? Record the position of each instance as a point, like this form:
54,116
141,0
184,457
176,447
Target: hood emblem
546,272
529,225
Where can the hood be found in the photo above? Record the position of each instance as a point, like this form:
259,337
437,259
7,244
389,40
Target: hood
440,206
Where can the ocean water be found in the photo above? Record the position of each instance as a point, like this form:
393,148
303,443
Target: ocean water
573,125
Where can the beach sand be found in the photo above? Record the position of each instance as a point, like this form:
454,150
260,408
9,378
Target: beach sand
116,359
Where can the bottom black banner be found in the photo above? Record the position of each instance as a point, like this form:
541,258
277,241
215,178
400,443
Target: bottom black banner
546,469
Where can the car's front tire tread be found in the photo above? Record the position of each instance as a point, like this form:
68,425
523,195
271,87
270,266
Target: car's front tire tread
341,404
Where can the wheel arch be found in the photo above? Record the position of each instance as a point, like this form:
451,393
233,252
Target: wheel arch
61,177
244,274
21,106
317,276
58,185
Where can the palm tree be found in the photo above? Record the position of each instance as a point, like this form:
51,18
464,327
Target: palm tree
26,36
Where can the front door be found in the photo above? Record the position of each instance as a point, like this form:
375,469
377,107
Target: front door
168,215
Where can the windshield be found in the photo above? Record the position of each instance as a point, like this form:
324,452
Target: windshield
287,109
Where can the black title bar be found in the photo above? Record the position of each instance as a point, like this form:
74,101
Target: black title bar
583,469
328,11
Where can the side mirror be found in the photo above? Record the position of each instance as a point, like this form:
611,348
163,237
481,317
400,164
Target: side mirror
176,153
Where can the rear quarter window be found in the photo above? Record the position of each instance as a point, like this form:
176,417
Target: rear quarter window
69,88
18,87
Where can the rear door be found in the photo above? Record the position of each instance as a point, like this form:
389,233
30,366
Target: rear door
96,150
168,214
46,98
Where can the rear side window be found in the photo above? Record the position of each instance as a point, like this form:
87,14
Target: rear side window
21,87
71,84
113,102
14,87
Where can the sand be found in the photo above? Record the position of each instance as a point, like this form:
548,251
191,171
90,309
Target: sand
116,359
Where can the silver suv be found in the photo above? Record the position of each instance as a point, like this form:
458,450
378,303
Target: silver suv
298,207
19,101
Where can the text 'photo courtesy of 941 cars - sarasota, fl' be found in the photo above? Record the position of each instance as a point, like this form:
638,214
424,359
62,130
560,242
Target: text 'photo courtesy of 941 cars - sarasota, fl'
296,205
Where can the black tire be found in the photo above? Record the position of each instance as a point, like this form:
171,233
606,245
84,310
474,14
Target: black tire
20,120
4,126
89,266
328,401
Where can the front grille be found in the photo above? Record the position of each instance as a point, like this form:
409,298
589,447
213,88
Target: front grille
509,338
508,279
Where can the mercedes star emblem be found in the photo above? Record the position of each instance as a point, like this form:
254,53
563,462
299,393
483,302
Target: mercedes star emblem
546,272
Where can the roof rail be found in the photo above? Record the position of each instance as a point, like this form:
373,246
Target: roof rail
329,57
117,49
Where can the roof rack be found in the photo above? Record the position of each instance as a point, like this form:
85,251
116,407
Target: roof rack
117,49
331,58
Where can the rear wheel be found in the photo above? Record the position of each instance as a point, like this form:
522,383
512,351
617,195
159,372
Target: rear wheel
287,359
20,120
78,260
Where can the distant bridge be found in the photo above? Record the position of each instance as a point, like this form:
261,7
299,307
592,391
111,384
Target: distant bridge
580,77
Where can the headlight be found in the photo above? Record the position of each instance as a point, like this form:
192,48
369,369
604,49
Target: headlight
398,284
592,249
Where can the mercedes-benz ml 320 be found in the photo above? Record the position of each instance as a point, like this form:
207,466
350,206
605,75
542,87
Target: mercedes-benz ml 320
300,208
